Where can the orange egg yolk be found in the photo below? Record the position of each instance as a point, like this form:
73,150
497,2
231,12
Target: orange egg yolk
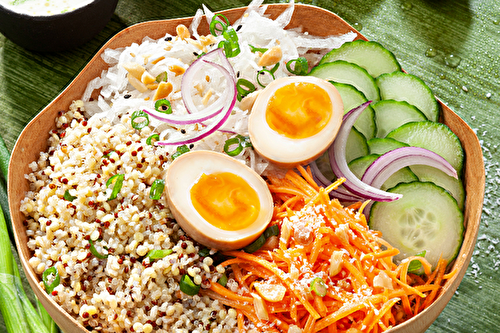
225,200
299,110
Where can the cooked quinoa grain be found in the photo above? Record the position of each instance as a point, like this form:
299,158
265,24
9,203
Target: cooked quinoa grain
68,208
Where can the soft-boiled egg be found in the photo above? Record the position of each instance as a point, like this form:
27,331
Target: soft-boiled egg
217,200
295,119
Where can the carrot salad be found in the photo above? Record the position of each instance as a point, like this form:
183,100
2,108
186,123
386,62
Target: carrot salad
328,272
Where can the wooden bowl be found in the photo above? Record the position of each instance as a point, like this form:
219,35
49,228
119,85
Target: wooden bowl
318,22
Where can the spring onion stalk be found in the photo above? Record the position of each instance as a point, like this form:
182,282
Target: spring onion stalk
158,254
4,158
318,286
47,320
33,318
10,303
187,286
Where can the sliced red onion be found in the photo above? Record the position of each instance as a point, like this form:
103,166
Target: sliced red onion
340,193
180,120
384,166
220,119
339,165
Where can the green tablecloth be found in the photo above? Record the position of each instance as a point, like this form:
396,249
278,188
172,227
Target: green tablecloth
464,31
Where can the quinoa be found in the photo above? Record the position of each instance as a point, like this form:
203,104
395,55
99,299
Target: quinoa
125,291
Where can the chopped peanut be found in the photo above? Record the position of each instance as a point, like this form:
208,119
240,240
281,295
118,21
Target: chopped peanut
271,56
207,96
178,70
248,101
154,62
134,69
182,31
335,263
147,78
164,89
207,40
136,83
152,86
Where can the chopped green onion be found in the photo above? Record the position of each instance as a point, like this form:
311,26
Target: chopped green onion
223,280
263,72
275,68
68,196
230,45
45,278
157,189
217,25
201,54
318,286
180,150
158,254
257,244
273,230
162,77
187,286
415,265
94,251
300,66
240,142
204,252
118,181
108,154
163,105
244,87
139,124
257,49
150,139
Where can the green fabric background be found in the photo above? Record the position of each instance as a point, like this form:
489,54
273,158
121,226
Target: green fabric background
465,29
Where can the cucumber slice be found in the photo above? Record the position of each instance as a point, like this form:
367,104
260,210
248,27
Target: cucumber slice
409,88
370,55
352,97
356,145
390,114
454,186
381,146
433,136
346,72
426,218
360,164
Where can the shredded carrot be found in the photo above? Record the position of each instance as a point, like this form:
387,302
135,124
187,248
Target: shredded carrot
313,228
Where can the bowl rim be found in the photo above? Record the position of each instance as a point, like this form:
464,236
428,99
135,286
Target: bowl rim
47,18
474,171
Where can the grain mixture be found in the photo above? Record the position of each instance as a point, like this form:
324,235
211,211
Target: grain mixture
126,291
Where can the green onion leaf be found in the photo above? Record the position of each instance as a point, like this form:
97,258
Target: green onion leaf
157,189
223,280
244,87
415,265
162,77
318,286
230,45
45,278
68,196
158,254
150,139
273,230
118,181
94,251
300,66
257,49
231,143
264,73
218,25
180,150
187,286
257,244
138,124
204,252
245,141
163,105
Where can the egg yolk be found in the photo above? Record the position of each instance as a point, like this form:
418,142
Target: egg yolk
225,200
299,110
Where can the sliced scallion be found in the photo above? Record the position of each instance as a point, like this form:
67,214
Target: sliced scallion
187,286
68,197
94,251
152,137
262,74
318,286
49,287
244,87
180,150
118,183
257,244
139,119
234,146
273,230
158,254
163,105
157,189
300,66
204,252
218,26
162,77
222,280
257,49
230,45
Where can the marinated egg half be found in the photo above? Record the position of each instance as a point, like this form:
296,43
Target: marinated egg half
295,119
218,201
